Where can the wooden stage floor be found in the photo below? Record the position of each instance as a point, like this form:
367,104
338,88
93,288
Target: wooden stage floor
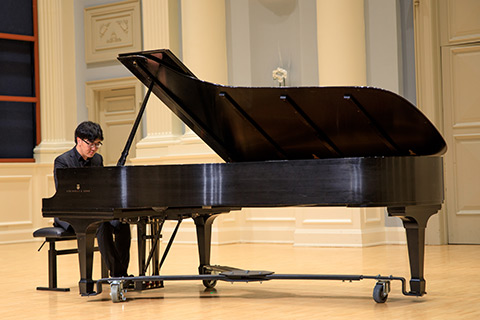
452,273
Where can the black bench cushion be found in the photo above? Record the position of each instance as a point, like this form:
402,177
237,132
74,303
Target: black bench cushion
53,232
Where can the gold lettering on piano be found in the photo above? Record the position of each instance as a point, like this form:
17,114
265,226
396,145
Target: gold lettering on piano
78,189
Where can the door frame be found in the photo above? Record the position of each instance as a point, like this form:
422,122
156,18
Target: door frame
429,90
94,88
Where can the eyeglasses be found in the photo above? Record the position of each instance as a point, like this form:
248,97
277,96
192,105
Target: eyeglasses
92,144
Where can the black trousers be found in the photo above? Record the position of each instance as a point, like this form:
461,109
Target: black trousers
114,243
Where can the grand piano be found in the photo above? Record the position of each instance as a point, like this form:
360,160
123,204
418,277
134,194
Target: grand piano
282,146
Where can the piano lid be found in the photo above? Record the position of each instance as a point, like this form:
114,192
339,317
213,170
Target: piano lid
286,123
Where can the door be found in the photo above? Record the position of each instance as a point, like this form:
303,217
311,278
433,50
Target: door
461,96
460,21
117,111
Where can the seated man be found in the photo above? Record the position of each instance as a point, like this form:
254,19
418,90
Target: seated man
115,251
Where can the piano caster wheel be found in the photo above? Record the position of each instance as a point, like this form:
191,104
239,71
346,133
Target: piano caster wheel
209,283
117,293
380,291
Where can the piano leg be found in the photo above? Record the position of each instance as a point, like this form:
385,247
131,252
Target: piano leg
414,220
203,224
86,241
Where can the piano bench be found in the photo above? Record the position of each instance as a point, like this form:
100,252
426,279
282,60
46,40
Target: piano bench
53,235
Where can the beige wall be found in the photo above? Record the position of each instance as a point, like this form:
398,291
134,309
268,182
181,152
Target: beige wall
22,186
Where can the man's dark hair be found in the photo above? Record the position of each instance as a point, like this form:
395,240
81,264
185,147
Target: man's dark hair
89,130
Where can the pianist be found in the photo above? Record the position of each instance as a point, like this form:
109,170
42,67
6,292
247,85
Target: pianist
115,252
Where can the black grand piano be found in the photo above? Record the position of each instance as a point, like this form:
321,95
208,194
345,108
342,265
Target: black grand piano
282,146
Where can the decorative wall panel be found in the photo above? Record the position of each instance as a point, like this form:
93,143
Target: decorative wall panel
16,200
112,29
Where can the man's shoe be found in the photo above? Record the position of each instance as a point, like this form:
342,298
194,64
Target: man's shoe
129,284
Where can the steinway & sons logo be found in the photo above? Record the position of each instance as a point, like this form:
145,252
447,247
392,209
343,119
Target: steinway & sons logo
78,189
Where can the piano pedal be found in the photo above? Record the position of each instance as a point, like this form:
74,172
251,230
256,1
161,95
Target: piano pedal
152,285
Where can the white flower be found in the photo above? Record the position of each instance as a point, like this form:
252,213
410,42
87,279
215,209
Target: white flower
280,75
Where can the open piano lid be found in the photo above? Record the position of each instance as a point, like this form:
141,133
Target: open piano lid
286,123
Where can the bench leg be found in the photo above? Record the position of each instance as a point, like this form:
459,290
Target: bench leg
52,270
